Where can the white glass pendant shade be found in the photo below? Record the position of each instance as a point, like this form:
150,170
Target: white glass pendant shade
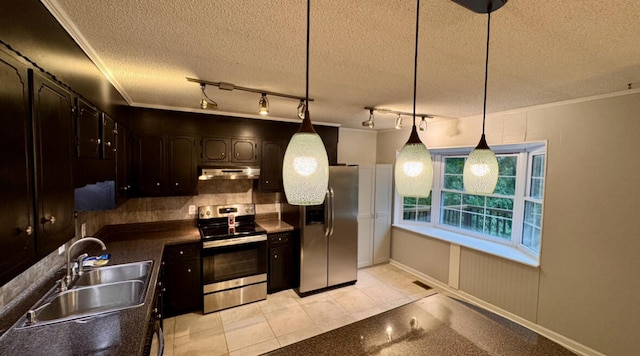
481,170
305,169
414,169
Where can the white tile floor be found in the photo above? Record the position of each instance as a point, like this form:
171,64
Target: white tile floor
284,318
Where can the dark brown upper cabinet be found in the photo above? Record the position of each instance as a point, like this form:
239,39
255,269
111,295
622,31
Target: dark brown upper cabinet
244,150
17,230
215,149
148,161
53,148
183,163
123,164
87,130
271,166
164,165
229,150
109,140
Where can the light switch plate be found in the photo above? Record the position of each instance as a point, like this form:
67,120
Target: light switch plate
192,210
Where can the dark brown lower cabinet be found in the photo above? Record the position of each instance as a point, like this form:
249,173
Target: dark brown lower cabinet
182,289
284,262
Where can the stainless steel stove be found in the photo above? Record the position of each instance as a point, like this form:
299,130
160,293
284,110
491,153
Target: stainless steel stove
234,256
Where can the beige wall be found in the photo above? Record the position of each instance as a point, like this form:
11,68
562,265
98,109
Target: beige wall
357,146
589,280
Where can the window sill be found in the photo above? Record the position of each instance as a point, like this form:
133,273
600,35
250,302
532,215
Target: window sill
508,252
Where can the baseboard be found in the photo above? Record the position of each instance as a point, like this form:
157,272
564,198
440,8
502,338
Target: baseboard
551,335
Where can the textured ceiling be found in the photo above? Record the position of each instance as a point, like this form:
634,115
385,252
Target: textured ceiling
361,53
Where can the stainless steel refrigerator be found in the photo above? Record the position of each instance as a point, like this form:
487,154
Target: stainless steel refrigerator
329,234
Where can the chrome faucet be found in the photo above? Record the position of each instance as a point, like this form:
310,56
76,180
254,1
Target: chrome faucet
67,279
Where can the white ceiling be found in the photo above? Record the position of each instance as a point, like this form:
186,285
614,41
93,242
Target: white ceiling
361,53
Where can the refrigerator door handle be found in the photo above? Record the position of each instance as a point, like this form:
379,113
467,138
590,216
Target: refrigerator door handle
327,214
332,210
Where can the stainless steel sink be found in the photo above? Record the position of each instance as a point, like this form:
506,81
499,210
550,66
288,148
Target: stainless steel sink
97,292
117,273
88,301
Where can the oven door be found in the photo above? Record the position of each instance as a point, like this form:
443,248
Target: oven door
234,274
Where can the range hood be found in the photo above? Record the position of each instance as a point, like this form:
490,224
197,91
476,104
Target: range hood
229,172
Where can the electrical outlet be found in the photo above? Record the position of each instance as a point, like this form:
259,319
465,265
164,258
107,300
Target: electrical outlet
61,249
83,230
192,210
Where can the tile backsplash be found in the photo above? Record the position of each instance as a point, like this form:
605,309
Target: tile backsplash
137,210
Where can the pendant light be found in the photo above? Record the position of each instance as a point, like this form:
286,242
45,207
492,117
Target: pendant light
414,169
305,169
480,174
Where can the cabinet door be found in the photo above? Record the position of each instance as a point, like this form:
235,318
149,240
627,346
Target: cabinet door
53,142
183,165
123,163
215,149
271,167
280,268
382,226
244,151
181,287
17,241
108,146
87,130
148,163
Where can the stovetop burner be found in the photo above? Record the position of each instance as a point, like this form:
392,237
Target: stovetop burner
219,222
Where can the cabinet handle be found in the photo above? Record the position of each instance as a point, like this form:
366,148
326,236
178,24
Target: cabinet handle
99,140
108,143
266,181
28,230
237,155
51,220
222,154
182,252
158,184
189,270
176,184
275,256
155,310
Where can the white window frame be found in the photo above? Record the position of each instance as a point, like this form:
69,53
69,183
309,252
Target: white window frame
487,243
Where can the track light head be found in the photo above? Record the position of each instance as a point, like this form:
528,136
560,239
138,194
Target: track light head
206,102
423,124
398,122
369,123
263,105
302,107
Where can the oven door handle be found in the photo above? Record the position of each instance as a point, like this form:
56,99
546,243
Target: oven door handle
234,241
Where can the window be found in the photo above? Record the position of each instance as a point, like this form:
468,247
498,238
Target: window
512,215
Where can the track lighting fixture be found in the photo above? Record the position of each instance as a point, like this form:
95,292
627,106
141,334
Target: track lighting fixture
413,171
305,168
398,125
423,124
369,123
207,102
399,117
263,105
480,173
301,109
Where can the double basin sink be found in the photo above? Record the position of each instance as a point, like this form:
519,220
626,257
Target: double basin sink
96,292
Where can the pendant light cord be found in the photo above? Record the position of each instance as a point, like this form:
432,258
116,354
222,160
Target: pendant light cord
486,72
307,69
415,64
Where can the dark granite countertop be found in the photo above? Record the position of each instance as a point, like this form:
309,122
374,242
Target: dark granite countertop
275,225
440,326
119,333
